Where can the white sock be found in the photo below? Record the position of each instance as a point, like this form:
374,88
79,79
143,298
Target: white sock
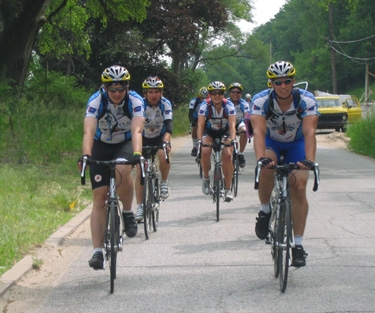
265,208
298,240
127,211
194,142
97,250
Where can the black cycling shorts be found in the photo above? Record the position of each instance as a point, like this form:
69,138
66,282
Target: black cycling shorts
99,174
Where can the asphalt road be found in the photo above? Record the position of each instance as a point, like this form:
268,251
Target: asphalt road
195,264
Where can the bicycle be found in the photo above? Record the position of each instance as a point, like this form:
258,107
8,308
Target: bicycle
151,189
115,227
217,189
236,166
280,234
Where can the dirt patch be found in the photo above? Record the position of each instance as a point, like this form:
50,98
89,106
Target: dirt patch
332,139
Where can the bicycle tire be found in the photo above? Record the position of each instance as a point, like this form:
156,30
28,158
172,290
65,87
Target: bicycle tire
200,169
217,189
285,229
147,205
236,169
114,232
156,206
274,237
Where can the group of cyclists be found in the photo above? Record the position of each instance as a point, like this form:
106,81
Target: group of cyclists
281,119
119,121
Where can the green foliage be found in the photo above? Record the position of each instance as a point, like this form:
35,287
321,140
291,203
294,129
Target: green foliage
181,122
32,206
362,135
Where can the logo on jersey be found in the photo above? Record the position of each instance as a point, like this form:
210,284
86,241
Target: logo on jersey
137,109
92,110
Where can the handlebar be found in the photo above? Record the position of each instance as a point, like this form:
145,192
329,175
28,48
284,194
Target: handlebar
151,149
111,163
286,168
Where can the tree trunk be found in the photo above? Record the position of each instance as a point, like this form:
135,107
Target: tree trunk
20,30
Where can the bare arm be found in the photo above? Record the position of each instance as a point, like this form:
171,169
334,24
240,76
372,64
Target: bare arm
89,129
232,126
259,129
309,125
137,128
201,122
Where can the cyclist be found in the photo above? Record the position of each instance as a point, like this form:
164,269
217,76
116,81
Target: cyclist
157,130
216,118
113,127
242,107
248,98
281,124
193,116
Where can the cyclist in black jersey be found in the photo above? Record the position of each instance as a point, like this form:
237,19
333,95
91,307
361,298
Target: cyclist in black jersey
113,128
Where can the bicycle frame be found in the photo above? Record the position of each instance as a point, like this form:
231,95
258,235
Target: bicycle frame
280,227
217,187
151,193
114,233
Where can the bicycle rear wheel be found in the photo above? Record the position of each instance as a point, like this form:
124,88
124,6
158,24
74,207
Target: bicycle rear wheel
236,169
285,236
114,236
147,205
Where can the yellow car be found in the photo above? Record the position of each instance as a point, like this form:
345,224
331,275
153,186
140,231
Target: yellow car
352,105
336,111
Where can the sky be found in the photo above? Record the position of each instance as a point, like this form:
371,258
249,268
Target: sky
263,11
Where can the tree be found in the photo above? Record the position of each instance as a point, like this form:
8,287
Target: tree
23,20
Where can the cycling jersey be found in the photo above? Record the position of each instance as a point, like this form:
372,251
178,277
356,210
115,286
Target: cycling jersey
114,126
241,109
217,121
156,118
287,126
194,108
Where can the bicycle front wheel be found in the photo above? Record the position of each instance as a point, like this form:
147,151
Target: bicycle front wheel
147,205
273,237
218,185
236,169
114,237
156,206
285,236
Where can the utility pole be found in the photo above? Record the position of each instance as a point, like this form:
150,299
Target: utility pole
333,57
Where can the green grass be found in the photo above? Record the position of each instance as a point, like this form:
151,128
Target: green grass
362,135
35,201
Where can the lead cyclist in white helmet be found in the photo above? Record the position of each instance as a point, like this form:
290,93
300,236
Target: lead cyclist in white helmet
289,127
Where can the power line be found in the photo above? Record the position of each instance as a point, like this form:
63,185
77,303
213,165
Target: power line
355,59
353,41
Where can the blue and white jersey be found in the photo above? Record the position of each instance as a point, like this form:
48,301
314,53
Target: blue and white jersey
287,126
217,121
194,105
155,117
241,109
114,122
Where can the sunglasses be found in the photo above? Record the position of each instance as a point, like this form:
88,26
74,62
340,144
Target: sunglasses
280,82
236,92
119,89
215,93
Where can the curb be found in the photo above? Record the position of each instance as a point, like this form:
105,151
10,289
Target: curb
9,278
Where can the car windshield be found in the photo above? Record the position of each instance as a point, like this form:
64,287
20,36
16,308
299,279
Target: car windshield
328,103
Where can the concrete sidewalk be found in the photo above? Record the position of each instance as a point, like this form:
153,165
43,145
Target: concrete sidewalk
9,278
